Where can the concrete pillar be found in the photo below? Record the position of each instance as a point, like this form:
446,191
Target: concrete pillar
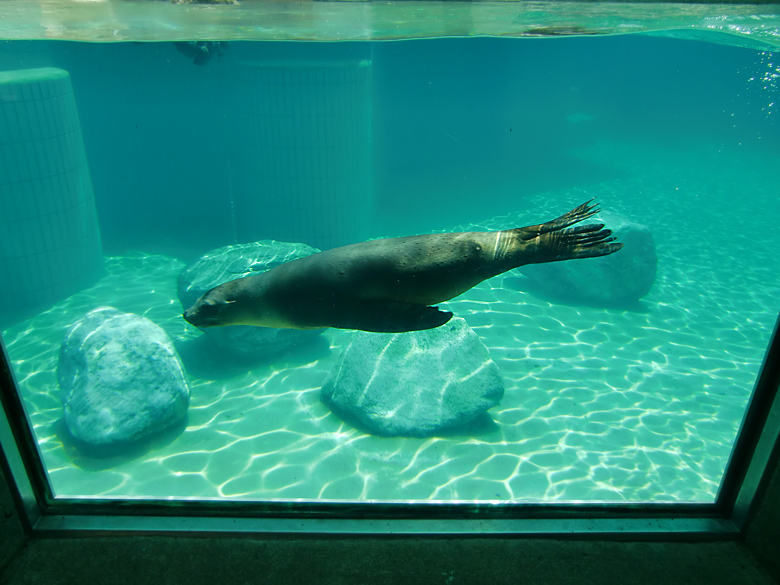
49,239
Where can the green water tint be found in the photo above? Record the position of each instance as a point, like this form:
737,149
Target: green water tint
600,404
742,24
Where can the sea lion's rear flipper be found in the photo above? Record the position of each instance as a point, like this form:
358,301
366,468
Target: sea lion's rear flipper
389,317
551,241
576,215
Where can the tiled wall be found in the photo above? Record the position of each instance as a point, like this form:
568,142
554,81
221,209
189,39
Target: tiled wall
49,237
304,152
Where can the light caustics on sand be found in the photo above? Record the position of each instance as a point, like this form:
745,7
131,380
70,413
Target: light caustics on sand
599,404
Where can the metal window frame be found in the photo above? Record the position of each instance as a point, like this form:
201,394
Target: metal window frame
754,457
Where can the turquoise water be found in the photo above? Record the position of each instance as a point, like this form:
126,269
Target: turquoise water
604,404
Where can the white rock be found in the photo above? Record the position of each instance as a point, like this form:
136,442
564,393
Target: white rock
121,379
618,279
414,384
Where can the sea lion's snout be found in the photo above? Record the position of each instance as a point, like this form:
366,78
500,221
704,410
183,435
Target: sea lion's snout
196,315
208,311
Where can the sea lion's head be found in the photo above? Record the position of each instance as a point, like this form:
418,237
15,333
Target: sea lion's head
238,302
217,308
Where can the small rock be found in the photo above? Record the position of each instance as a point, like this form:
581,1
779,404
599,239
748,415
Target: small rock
618,279
121,380
238,261
414,384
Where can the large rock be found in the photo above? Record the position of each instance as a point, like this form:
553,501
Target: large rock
238,261
618,279
121,380
414,384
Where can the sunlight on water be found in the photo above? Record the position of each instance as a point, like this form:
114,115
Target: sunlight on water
124,20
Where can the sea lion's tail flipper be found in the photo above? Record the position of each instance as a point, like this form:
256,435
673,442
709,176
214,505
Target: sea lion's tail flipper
389,317
576,215
551,241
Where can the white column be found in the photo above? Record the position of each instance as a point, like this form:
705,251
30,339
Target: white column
49,238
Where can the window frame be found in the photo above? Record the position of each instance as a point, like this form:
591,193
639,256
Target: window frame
754,457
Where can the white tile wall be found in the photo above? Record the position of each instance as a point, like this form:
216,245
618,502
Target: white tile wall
306,171
49,237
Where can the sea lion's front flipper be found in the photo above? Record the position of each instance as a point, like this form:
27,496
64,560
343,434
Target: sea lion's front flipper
389,317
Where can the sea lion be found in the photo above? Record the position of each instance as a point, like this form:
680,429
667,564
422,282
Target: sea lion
389,285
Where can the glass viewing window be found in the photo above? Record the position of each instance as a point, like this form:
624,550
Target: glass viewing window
176,147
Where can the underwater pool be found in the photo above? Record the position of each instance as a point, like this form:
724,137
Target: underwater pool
329,144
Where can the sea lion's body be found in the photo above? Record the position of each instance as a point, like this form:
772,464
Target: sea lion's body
389,285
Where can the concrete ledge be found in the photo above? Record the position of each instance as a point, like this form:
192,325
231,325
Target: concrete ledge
763,532
133,560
